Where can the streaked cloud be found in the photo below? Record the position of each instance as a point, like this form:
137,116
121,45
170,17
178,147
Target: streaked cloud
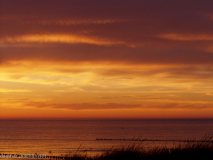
12,90
51,38
184,37
67,22
106,58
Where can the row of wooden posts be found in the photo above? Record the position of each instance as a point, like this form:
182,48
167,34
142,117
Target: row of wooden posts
9,156
30,156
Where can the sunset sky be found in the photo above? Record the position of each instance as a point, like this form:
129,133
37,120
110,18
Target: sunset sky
106,59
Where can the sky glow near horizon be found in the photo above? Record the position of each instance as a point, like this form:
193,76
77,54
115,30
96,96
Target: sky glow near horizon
106,59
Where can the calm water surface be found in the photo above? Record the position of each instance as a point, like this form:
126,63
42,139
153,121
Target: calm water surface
68,136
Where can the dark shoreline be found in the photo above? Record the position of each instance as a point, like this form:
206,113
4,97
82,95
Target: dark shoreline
189,151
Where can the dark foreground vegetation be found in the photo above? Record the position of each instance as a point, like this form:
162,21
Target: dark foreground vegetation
202,150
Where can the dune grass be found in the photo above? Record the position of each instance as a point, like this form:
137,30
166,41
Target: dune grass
190,151
202,150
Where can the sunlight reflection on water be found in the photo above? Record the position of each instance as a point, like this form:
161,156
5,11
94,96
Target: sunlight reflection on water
56,137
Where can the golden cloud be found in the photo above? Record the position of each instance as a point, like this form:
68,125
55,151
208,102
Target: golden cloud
183,37
12,90
58,38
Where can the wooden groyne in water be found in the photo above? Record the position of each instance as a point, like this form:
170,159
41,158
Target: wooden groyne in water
42,157
151,140
30,156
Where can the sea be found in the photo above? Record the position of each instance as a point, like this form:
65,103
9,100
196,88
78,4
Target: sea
79,136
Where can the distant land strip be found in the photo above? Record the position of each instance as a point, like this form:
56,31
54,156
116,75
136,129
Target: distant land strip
152,140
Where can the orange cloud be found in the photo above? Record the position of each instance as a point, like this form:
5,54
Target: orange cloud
185,37
12,90
130,59
58,38
35,113
67,22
